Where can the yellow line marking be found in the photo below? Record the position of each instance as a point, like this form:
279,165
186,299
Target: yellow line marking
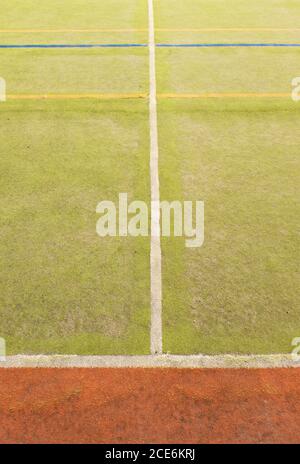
232,29
222,95
204,29
33,31
133,96
95,96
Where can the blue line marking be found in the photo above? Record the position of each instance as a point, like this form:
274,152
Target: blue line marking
74,46
229,45
129,45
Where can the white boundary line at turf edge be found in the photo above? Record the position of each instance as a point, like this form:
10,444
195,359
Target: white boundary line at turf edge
155,252
152,361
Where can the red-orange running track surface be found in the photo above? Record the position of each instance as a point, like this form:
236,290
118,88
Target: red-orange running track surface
149,406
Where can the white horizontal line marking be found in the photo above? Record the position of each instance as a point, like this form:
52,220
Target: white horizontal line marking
150,361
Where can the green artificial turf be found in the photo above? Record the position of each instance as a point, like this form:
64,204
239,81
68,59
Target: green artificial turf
64,289
107,20
239,292
193,14
252,21
70,71
231,70
73,14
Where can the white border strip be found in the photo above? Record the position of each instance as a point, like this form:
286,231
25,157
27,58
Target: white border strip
155,252
152,361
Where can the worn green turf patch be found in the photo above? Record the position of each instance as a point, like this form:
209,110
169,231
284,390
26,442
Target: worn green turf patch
106,19
218,14
63,289
233,70
74,14
70,71
226,13
238,293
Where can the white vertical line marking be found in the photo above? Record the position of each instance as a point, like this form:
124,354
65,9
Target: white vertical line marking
155,252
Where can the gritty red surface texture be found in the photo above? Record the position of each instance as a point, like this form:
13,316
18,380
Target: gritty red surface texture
149,406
